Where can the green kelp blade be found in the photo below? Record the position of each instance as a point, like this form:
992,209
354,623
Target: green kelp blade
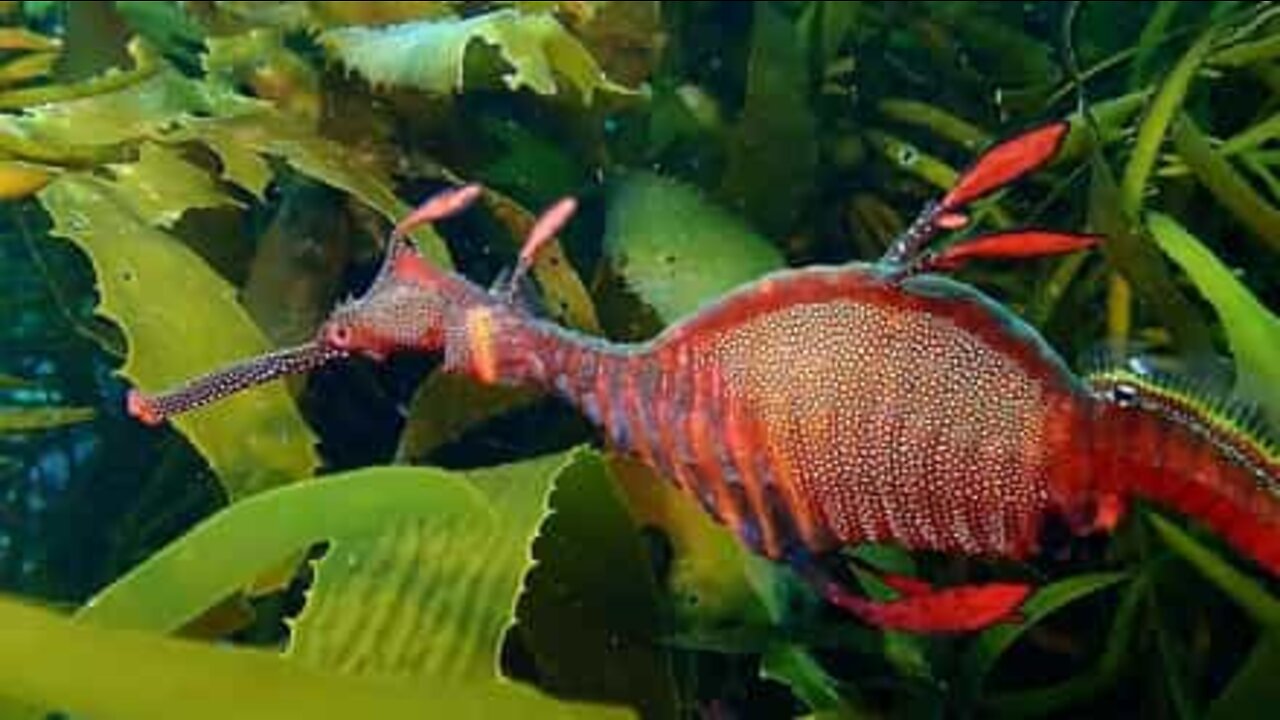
590,616
54,662
424,595
180,319
430,54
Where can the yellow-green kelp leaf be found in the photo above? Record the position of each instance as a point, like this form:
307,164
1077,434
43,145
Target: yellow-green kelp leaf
677,251
277,135
590,616
430,54
54,662
161,186
425,596
238,543
85,128
180,318
13,420
436,615
1252,330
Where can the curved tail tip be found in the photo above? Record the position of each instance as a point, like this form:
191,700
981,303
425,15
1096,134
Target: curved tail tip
141,408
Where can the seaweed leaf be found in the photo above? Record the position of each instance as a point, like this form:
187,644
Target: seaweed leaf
1249,595
161,186
676,250
430,54
1252,330
17,420
277,135
1254,685
1221,179
773,149
427,596
589,615
254,440
51,661
232,547
992,643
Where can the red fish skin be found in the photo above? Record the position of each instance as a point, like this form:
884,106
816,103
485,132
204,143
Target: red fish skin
827,407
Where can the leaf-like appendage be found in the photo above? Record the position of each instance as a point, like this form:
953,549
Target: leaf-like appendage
430,55
428,596
181,318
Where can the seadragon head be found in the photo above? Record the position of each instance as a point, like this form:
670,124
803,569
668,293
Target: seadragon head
408,306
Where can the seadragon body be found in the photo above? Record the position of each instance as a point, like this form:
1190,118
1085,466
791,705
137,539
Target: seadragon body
823,407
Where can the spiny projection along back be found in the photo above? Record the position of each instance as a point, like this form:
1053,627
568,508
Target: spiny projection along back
829,406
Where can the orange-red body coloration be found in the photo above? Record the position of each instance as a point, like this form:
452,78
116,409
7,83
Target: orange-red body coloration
824,407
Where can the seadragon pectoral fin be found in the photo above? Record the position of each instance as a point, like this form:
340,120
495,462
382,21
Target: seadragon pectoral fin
921,607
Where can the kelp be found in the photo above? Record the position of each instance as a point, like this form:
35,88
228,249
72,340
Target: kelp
431,55
772,148
822,126
661,236
253,442
47,660
1252,331
19,420
402,590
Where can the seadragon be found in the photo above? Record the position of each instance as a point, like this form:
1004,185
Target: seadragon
823,407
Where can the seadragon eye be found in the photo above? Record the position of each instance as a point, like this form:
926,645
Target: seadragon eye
1124,395
338,336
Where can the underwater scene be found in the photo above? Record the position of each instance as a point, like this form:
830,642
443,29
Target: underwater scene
703,360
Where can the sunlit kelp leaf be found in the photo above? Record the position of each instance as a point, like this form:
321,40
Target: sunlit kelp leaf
237,544
426,596
708,580
277,135
1254,685
991,644
16,420
1252,330
19,180
797,668
1230,188
430,55
677,251
260,60
15,38
589,617
28,67
340,12
773,148
162,186
1249,595
446,405
165,25
54,662
87,127
180,319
